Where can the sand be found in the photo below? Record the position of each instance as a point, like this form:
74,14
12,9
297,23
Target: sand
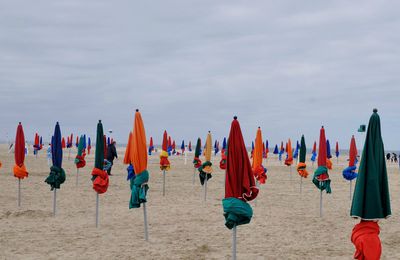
286,224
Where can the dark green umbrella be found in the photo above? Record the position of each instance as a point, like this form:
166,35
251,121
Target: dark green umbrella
196,160
301,166
371,200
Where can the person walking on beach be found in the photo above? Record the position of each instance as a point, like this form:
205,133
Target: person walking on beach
111,154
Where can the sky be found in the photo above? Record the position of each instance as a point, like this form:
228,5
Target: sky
190,66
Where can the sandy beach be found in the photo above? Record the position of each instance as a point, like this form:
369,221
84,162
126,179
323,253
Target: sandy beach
286,224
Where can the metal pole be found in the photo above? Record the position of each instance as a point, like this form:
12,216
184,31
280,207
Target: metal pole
258,186
205,188
234,243
301,184
77,172
163,188
19,192
97,209
146,233
185,158
194,175
350,189
320,202
54,202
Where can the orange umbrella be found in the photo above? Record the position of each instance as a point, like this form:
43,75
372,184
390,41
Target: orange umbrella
289,159
205,169
139,186
127,156
258,169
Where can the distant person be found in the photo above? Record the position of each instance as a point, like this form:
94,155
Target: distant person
111,154
388,156
49,155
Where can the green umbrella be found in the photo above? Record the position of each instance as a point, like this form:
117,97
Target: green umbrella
301,167
303,150
371,200
196,160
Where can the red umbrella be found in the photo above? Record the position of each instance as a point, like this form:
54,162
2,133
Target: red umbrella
239,183
63,143
321,177
19,170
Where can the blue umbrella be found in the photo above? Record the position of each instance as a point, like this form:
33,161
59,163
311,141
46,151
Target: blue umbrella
183,145
328,150
224,144
84,141
276,151
108,141
216,148
56,148
296,152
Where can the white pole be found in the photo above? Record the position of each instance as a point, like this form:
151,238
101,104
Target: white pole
19,192
54,202
185,158
258,186
350,189
205,188
69,153
194,175
163,188
320,201
301,184
234,243
146,233
77,172
97,209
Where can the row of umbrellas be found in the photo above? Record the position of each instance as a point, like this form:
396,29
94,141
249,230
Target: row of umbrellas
371,201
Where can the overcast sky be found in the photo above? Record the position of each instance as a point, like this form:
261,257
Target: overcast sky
190,66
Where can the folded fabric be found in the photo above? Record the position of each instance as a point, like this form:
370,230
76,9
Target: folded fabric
321,179
236,212
20,172
139,189
100,180
301,169
350,173
56,177
365,237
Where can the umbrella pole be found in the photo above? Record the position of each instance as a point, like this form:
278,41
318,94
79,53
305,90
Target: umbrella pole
97,209
146,233
163,187
234,243
301,184
290,174
194,175
185,158
258,186
320,201
205,188
350,189
77,172
54,201
69,153
19,192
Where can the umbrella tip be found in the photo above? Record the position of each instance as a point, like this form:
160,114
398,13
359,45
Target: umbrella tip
209,131
137,110
99,120
57,123
259,127
19,123
235,117
322,126
375,110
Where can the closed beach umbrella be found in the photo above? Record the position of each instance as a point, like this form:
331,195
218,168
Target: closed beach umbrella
371,200
99,175
139,185
205,169
258,169
337,149
197,153
80,157
276,151
19,169
289,159
266,149
314,153
89,147
63,145
239,184
301,166
183,147
296,151
128,158
57,173
151,146
164,163
350,172
190,146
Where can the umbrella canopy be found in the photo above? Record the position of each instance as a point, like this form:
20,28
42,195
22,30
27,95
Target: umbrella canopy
151,145
19,169
36,144
205,169
321,177
337,149
239,181
276,149
164,163
350,173
89,147
57,173
183,146
258,169
328,150
371,200
190,146
99,175
80,157
139,185
40,143
83,138
301,166
77,141
289,159
266,148
63,145
216,147
197,152
314,152
127,155
296,151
